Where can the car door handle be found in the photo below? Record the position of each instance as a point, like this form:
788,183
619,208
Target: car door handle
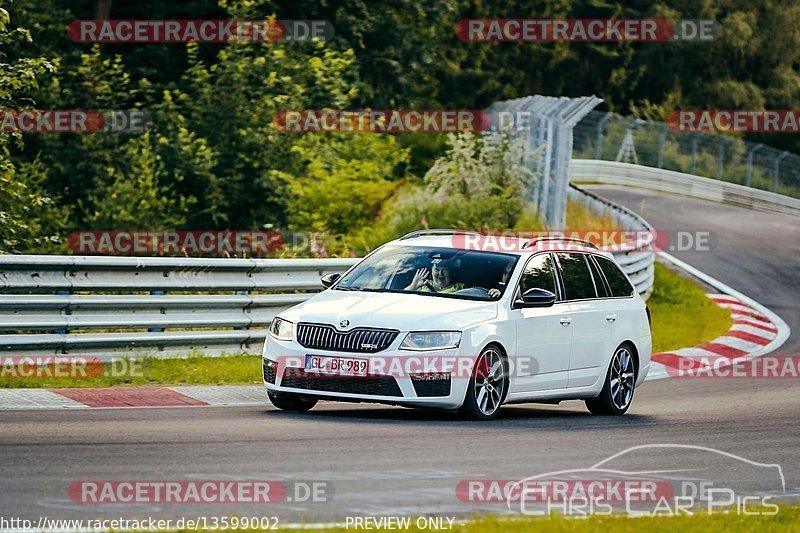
611,317
565,320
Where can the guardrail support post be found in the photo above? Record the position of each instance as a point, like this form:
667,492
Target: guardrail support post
242,293
62,331
156,330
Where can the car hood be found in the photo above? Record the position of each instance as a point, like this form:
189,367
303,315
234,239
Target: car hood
406,312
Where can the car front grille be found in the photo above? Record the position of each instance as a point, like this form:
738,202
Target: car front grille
298,378
426,388
362,340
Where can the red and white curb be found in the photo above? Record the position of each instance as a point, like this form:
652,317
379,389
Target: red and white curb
747,337
756,331
112,397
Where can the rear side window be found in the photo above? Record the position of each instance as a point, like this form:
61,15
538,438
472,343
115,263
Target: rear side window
578,284
539,273
599,282
619,284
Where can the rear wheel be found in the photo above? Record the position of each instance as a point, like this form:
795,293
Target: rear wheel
488,386
287,401
617,393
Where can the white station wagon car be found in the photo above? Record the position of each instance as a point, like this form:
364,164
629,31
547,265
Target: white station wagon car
434,320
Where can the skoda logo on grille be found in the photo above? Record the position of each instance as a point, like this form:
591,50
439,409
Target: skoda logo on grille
344,323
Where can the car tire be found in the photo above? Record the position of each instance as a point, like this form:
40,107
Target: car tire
617,394
286,401
488,386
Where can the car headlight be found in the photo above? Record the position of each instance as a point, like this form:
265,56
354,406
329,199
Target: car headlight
281,329
431,340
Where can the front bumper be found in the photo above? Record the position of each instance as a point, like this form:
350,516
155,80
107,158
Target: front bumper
437,379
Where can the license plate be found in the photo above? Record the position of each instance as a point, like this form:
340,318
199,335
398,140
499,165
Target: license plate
338,366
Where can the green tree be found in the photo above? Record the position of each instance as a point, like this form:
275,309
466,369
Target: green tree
231,105
343,181
26,211
133,197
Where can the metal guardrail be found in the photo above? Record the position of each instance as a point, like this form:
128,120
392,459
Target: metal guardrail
613,173
107,307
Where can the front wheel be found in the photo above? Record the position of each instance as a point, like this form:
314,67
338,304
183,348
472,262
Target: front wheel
287,401
617,393
488,386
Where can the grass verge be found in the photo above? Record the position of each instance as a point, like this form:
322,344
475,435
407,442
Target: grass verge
195,370
787,519
682,314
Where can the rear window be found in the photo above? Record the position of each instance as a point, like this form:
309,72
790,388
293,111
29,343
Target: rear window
578,284
599,282
617,282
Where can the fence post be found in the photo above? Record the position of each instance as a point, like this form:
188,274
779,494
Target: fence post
695,141
776,170
662,141
720,157
553,120
598,149
547,174
750,155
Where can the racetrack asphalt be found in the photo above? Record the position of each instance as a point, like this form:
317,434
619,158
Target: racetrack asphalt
395,461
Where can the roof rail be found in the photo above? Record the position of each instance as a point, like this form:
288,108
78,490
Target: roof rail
570,239
420,233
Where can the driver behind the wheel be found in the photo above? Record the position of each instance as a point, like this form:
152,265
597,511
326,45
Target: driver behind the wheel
496,292
438,279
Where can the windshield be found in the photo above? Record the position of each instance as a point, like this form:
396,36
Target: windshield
472,275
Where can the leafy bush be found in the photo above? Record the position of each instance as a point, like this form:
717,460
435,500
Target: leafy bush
477,184
343,180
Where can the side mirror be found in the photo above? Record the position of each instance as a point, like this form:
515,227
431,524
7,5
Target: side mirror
537,298
329,279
